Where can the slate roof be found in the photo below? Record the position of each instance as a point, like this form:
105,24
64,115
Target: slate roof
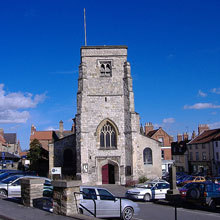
64,134
151,133
10,138
207,136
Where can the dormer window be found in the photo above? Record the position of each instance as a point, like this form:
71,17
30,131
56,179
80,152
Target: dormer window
105,68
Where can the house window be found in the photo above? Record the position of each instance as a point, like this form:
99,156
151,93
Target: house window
203,146
162,154
105,68
197,155
147,154
196,146
190,147
161,140
191,156
216,143
217,156
108,136
203,155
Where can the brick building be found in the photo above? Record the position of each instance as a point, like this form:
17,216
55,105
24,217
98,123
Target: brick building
165,143
204,153
59,146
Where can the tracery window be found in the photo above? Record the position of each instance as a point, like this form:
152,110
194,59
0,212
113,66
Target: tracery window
105,68
147,154
108,136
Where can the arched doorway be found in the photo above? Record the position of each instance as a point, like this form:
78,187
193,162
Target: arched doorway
108,174
69,167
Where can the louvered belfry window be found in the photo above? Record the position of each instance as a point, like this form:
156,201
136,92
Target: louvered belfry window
105,68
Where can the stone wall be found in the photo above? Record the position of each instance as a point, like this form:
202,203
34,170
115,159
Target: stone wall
31,189
64,202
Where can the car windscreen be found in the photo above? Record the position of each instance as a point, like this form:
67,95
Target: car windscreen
9,179
146,186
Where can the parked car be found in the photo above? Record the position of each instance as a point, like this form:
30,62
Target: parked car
196,179
11,186
44,203
204,193
149,190
183,190
107,205
5,175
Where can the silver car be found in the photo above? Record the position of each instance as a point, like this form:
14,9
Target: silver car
149,190
11,186
107,205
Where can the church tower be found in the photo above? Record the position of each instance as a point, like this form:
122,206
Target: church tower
107,127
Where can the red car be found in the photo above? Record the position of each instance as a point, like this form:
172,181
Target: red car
184,189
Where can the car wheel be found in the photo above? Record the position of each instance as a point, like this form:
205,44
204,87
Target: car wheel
193,193
3,193
212,205
127,213
147,197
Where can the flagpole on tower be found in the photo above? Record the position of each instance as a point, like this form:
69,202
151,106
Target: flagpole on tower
85,25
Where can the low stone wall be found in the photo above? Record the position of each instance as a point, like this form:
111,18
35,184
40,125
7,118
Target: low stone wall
31,189
64,201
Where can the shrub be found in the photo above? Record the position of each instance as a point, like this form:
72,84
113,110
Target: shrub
142,179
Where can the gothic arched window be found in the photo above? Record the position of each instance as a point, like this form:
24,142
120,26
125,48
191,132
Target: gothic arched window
108,136
147,155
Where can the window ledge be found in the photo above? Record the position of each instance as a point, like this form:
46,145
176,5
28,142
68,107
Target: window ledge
109,148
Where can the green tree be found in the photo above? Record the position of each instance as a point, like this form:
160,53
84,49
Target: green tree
35,154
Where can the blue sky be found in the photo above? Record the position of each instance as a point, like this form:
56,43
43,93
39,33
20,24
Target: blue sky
173,48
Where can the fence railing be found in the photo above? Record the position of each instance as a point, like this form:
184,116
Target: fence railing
91,197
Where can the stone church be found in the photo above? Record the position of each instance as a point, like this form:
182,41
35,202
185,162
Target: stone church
110,148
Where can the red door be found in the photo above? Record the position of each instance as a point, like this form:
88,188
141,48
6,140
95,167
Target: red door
105,177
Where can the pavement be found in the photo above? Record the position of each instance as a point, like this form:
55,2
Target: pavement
11,209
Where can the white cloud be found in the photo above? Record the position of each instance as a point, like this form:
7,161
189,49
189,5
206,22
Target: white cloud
168,120
10,103
201,106
13,116
214,125
202,94
216,91
51,128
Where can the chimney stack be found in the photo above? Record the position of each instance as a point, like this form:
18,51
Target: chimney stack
148,127
179,137
61,126
2,132
202,128
193,134
73,129
33,129
185,136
